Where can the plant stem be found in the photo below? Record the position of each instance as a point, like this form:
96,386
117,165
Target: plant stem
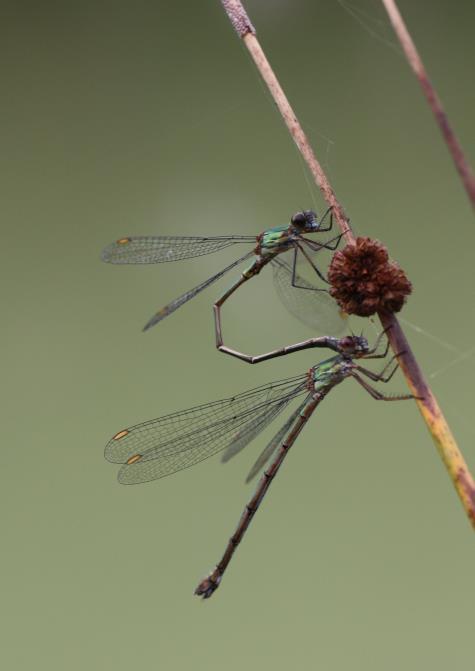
246,31
431,413
433,99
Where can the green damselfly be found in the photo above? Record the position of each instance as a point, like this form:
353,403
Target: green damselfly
304,299
163,446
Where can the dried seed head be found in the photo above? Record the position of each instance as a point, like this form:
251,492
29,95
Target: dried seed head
364,280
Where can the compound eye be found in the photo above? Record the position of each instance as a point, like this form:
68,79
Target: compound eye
299,219
347,342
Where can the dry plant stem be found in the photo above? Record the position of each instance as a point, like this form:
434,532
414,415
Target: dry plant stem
435,104
246,31
431,413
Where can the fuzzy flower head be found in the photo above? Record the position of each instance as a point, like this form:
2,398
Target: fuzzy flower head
364,280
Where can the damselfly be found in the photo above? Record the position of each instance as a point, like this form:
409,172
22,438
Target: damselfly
174,442
315,308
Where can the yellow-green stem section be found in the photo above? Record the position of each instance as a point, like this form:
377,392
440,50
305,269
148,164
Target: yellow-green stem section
432,415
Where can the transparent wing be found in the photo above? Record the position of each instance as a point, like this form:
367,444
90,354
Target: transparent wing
171,443
161,249
188,295
244,436
273,444
316,309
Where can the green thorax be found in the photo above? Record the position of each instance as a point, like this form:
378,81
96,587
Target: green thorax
330,372
275,240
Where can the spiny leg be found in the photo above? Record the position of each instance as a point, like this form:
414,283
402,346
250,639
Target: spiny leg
377,395
293,280
370,354
336,240
294,268
383,355
210,584
316,246
320,274
330,226
380,377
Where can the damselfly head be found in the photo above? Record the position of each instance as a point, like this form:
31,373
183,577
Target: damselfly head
306,221
353,346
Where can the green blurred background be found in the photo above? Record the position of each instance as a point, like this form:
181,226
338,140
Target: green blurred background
148,118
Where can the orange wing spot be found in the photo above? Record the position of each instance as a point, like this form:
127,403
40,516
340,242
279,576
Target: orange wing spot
134,459
120,435
123,241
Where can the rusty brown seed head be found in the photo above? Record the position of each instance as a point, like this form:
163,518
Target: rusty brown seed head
364,280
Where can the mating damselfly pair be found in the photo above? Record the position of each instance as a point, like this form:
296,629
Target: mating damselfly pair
163,446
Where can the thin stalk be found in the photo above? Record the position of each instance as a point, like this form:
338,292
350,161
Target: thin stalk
433,99
442,436
427,403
